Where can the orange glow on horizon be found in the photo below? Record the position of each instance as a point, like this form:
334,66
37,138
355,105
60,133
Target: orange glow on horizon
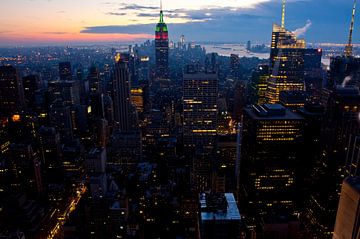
72,37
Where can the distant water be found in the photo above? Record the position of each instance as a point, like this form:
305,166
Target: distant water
228,49
240,49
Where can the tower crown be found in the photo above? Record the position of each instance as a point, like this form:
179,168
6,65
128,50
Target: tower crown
161,26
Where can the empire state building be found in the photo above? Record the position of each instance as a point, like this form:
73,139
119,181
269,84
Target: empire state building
162,49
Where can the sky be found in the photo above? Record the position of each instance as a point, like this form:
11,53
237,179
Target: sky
27,22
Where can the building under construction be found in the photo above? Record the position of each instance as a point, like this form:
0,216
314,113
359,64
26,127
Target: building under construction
345,69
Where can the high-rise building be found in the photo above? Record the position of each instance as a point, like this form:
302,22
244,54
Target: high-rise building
344,71
200,91
162,49
286,63
11,91
219,216
270,151
292,99
259,84
95,161
313,74
60,118
31,84
66,91
121,94
137,98
340,125
248,45
50,153
234,66
143,70
65,72
94,80
348,215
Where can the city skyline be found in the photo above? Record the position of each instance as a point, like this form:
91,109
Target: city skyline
42,22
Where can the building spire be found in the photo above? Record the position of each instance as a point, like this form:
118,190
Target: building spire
161,12
349,46
283,13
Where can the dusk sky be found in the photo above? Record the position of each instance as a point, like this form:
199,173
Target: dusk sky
73,21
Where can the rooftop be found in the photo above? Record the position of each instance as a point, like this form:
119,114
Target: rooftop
354,182
218,207
271,112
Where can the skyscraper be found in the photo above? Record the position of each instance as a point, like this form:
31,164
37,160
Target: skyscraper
65,71
121,94
219,216
31,84
348,215
340,125
162,49
234,66
271,142
286,63
94,80
259,83
11,91
200,91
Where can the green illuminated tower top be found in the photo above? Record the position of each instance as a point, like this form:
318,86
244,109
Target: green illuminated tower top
161,26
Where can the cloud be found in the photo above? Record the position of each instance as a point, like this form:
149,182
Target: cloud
116,13
301,31
55,33
137,7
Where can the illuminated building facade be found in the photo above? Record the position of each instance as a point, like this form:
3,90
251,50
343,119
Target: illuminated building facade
144,70
292,99
348,215
271,143
259,84
200,90
162,49
286,63
11,91
137,98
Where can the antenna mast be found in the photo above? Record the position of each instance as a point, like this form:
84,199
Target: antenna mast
349,47
283,13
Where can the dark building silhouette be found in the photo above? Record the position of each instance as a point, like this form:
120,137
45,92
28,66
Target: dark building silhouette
271,145
11,91
344,71
65,72
340,125
31,84
219,216
94,80
123,109
234,66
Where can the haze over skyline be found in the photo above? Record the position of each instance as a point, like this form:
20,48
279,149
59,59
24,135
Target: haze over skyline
27,22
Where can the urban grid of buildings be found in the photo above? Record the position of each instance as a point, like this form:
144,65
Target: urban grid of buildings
165,140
